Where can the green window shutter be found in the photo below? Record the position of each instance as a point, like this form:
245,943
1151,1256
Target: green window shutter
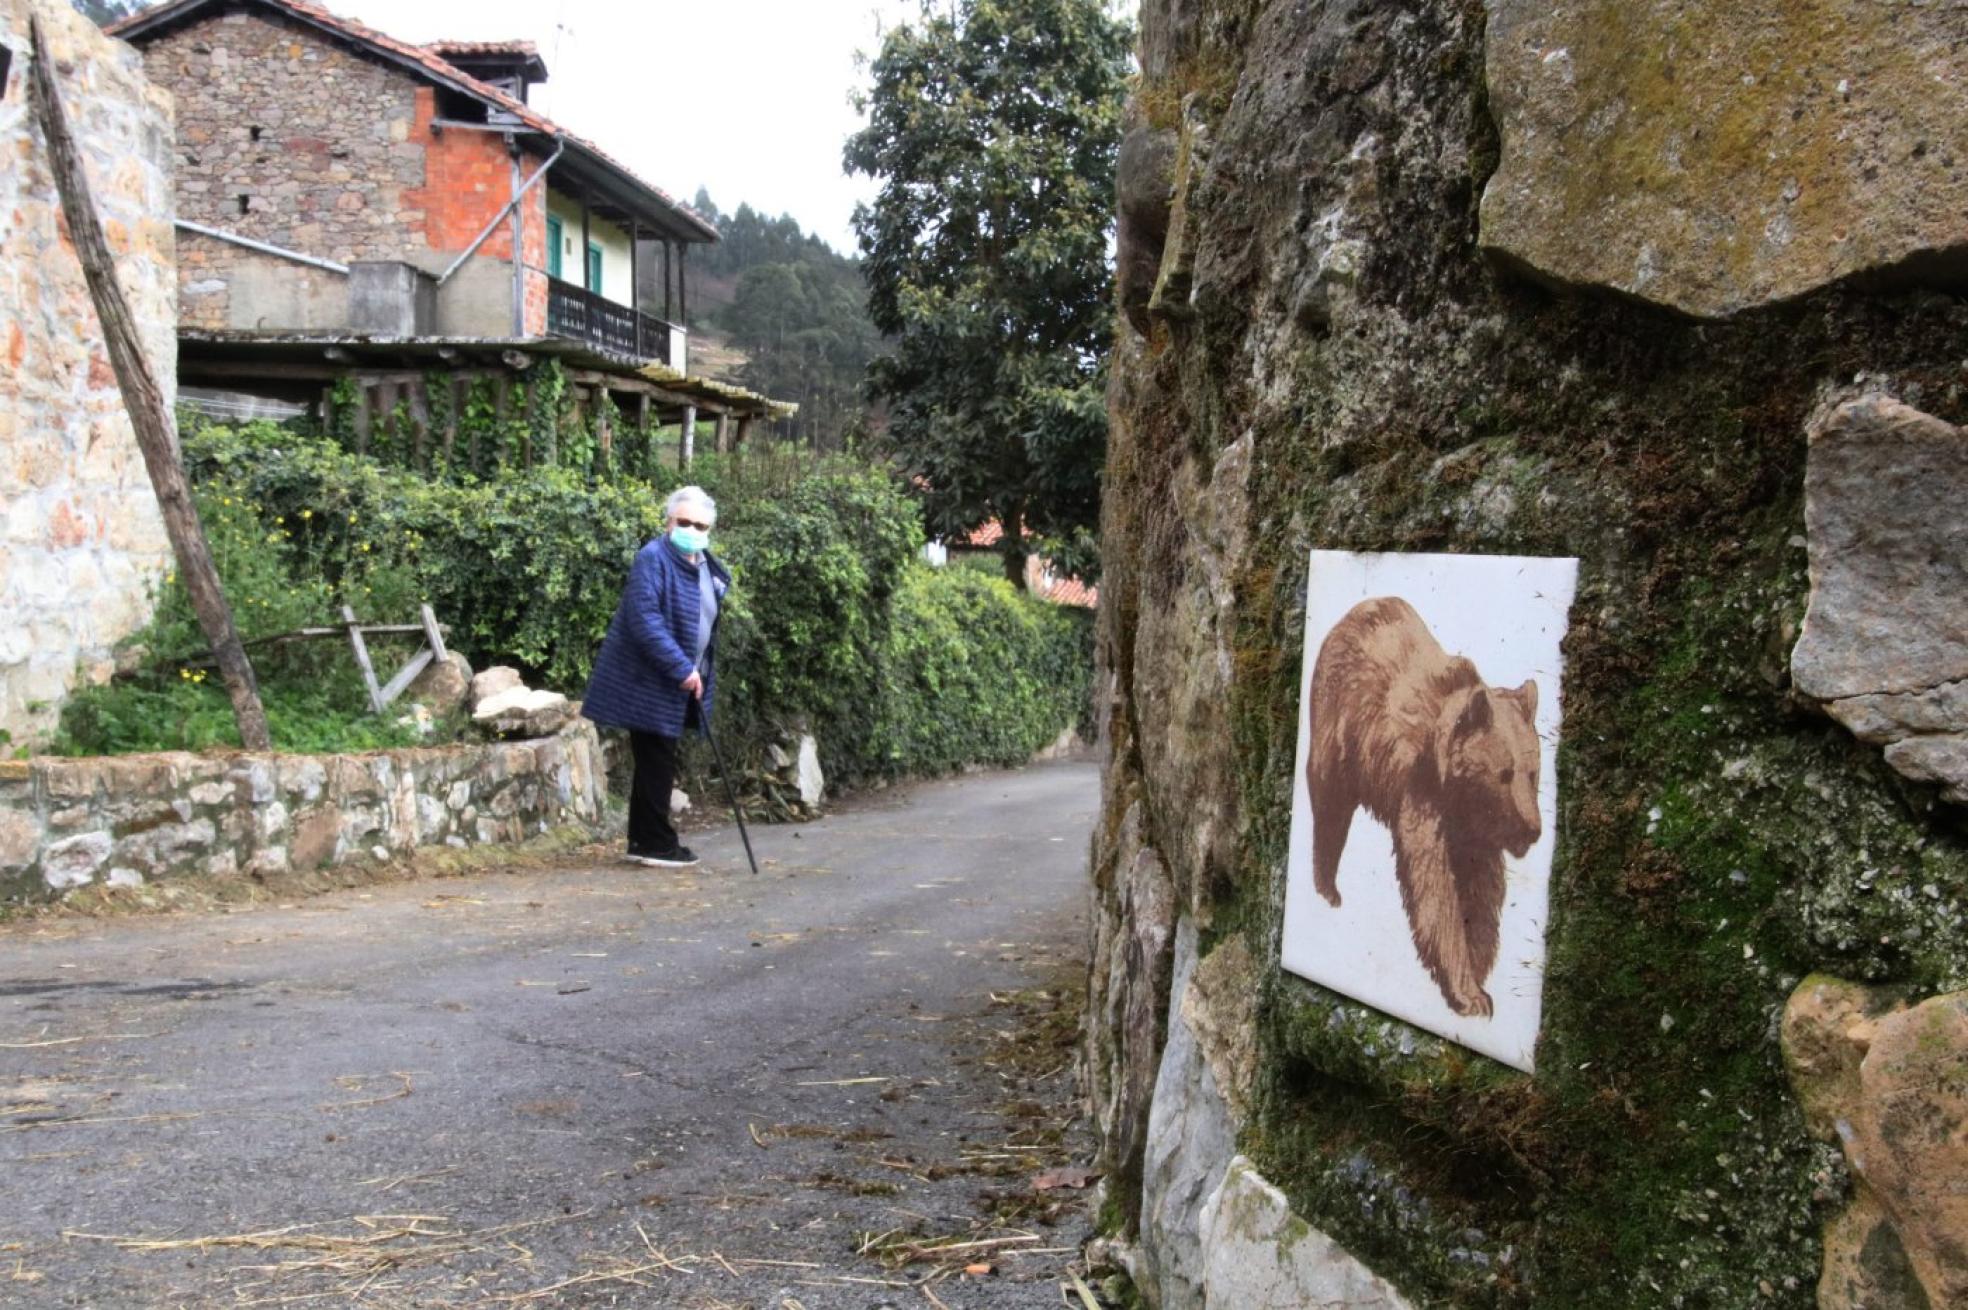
553,246
594,269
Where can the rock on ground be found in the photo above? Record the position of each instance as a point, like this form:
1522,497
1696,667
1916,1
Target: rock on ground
521,712
490,682
445,685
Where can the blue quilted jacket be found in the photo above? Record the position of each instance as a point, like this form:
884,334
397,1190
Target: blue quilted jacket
637,679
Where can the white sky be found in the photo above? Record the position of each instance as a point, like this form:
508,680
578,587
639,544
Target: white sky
746,97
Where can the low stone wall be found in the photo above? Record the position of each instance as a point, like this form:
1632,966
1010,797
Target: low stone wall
126,820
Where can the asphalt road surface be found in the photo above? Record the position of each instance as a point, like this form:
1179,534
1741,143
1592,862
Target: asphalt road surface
838,1084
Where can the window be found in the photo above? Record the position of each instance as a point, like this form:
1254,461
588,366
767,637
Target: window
554,240
594,268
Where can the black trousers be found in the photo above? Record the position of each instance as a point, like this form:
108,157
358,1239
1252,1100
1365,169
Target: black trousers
650,830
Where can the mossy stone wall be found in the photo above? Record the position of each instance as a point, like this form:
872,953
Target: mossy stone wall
1348,372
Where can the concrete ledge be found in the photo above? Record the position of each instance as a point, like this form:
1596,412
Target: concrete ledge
122,821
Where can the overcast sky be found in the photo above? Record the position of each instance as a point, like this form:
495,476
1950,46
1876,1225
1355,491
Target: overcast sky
749,98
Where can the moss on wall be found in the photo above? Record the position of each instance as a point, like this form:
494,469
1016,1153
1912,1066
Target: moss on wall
1716,841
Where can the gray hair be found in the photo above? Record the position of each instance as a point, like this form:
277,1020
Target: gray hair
690,496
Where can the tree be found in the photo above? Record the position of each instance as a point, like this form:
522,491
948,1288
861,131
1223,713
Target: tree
992,132
104,12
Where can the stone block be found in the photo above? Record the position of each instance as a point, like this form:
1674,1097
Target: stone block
73,862
20,839
488,683
162,849
445,686
1884,1081
519,712
1717,158
1258,1253
315,838
1883,649
1191,1140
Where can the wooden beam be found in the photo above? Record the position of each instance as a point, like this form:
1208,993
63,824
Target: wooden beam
459,391
420,423
150,417
586,273
642,386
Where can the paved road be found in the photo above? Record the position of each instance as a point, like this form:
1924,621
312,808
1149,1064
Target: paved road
583,1085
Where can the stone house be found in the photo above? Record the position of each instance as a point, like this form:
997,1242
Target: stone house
349,205
81,539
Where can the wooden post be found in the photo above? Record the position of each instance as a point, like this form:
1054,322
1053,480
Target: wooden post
386,398
328,411
683,288
724,434
604,427
149,416
420,422
635,281
460,391
363,419
687,438
587,273
645,439
361,649
667,316
744,429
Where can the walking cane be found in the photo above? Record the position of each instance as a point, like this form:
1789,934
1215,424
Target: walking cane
730,791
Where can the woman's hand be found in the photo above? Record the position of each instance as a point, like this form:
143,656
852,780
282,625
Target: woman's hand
694,684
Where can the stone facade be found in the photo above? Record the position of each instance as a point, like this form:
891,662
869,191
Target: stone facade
1320,348
81,540
127,820
289,137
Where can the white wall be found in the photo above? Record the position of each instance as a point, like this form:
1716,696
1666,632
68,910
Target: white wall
616,259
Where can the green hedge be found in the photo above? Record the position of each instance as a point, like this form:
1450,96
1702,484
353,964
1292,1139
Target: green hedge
973,672
834,624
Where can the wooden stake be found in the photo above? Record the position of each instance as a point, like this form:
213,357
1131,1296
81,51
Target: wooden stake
724,434
149,416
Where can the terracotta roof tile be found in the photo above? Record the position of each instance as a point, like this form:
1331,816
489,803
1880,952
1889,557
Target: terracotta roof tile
452,49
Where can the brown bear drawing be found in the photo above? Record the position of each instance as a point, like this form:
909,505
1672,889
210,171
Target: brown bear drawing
1448,764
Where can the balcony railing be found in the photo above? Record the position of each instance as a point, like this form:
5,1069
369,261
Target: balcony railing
580,315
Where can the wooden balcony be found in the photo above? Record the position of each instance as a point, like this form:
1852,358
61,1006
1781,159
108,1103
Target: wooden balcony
578,314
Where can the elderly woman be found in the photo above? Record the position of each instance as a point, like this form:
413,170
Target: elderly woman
655,674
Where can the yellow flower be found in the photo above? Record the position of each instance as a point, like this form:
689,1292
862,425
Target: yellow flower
184,673
351,518
365,548
307,514
279,519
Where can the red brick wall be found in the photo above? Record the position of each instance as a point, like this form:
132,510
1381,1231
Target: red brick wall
468,178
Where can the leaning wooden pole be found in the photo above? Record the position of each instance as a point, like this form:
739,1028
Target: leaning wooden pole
148,413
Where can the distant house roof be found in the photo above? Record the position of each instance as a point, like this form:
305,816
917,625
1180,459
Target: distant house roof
429,64
1068,591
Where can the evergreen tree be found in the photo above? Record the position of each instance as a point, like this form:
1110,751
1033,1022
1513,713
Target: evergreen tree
104,12
992,131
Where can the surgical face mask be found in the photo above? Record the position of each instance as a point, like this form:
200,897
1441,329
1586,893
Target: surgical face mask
691,541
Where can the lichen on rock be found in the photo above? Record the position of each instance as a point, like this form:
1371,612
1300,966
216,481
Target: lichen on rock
1721,157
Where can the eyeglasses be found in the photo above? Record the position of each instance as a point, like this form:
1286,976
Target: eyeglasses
689,523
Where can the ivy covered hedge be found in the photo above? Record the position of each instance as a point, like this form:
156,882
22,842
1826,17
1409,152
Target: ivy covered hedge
897,669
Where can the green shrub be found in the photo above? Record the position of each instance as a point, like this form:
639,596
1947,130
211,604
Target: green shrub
974,671
834,624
